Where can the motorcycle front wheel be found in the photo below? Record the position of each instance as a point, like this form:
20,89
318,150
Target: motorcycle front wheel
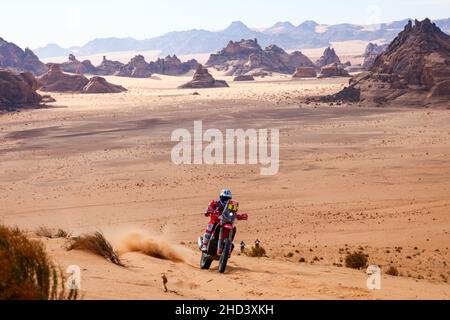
225,255
205,261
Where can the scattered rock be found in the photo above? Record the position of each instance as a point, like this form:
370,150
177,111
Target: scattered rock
203,79
305,72
333,70
261,74
244,78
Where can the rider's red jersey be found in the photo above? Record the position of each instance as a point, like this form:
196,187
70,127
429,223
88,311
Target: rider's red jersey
214,210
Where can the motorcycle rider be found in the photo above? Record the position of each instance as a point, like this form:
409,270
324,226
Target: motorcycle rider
214,211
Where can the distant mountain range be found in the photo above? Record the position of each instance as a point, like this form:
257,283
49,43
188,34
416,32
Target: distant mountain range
308,34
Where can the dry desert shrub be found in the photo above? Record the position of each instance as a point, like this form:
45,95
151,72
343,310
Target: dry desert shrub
61,234
96,243
356,260
46,232
257,252
26,272
392,271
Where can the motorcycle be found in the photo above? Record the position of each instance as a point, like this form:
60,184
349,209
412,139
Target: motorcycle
221,245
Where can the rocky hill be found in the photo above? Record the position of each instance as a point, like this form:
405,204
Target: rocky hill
14,58
413,71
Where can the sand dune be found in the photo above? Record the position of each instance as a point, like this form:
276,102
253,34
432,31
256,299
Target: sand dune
351,179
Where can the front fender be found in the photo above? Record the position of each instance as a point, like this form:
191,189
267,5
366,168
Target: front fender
228,226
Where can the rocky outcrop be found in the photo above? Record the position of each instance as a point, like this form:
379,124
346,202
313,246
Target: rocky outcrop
333,70
329,57
244,78
203,79
172,66
136,68
108,67
57,81
14,58
100,85
17,90
75,66
372,51
413,71
305,72
247,56
31,63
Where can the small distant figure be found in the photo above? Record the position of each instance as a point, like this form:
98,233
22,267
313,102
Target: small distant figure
242,246
164,279
257,243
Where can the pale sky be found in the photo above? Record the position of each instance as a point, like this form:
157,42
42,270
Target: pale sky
34,23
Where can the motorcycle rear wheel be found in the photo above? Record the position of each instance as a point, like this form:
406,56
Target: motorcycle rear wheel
225,255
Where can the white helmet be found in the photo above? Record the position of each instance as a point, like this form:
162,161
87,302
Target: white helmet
225,195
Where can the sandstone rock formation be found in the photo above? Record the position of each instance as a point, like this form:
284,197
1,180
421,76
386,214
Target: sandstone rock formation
413,71
244,78
100,85
75,66
172,65
57,81
108,67
305,72
136,68
329,57
246,56
333,70
371,53
17,90
14,58
203,79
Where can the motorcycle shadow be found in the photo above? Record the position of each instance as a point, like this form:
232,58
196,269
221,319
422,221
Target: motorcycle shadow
231,269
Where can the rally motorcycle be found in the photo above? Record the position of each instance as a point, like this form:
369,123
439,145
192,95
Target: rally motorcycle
221,245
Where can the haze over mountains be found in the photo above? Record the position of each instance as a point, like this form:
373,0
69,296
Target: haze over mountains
308,34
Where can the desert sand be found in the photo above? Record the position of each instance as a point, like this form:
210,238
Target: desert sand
351,178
